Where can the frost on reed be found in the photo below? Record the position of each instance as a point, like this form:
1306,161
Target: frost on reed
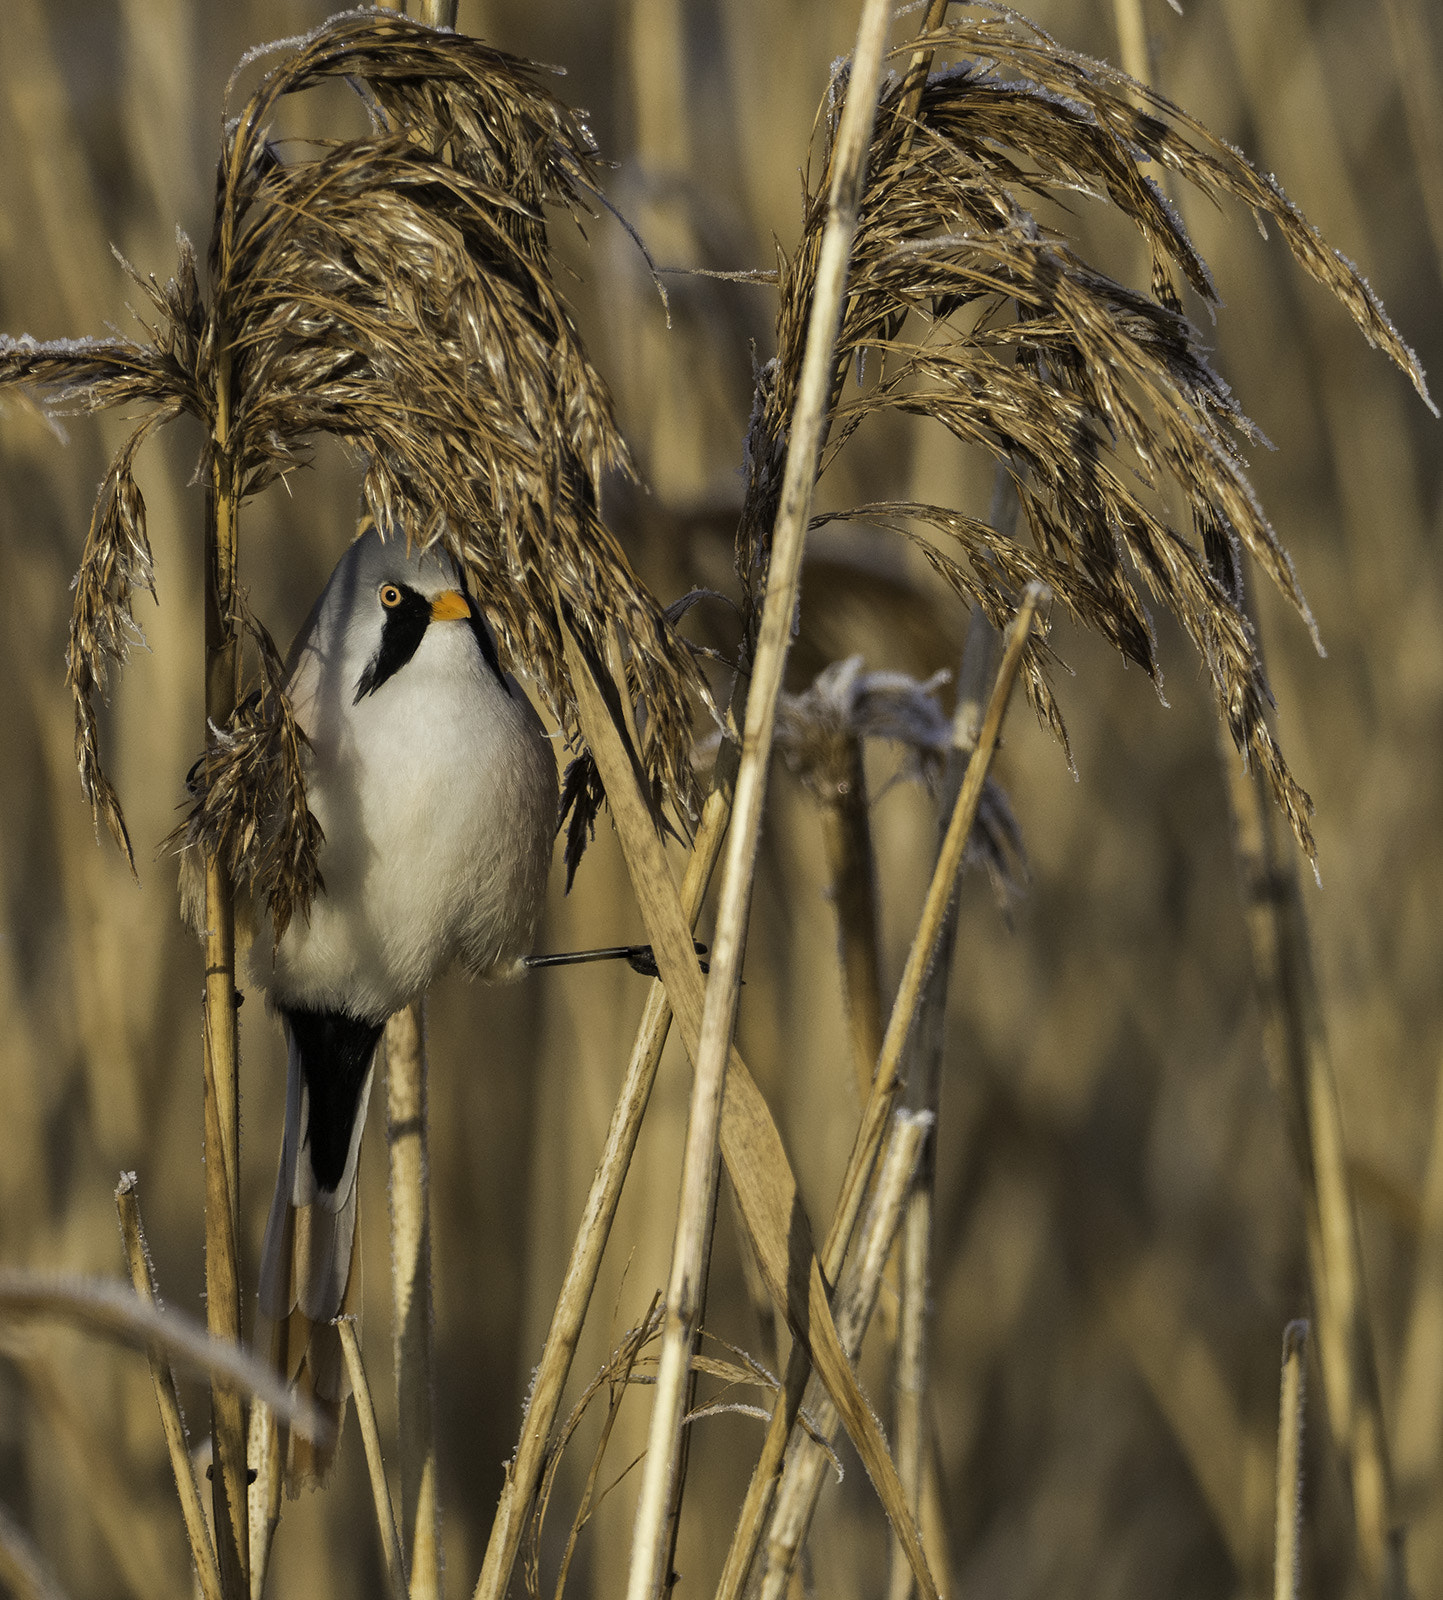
395,291
965,308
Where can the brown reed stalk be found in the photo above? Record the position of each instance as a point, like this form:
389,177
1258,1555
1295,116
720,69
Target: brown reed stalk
701,1158
434,13
854,1301
524,1471
887,1082
915,80
619,1370
819,734
886,1085
1296,1044
751,1146
1288,1522
852,869
915,1461
1131,24
1418,1403
413,1319
222,1052
266,1469
1302,1073
137,1255
1419,84
375,1464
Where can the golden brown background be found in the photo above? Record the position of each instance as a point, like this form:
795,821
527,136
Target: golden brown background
1119,1223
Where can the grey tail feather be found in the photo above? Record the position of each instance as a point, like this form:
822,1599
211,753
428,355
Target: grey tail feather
306,1256
310,1357
310,1269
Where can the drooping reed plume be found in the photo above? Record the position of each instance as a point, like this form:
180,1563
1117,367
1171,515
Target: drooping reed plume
967,307
393,290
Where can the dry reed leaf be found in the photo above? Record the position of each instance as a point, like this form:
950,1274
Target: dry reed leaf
616,1374
965,309
114,1311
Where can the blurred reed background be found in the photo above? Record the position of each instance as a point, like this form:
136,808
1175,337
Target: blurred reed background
1119,1223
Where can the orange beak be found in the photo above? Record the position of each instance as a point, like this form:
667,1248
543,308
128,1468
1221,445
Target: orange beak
450,606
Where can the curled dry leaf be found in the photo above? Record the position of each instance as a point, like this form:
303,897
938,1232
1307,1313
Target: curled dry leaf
846,704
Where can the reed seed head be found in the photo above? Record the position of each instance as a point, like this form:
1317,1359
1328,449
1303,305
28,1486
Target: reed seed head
965,309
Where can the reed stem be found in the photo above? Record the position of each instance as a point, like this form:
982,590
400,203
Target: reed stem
924,1092
1419,81
1290,1464
851,865
1301,1068
222,1056
887,1082
267,1484
413,1330
523,1474
375,1466
855,1300
756,1158
918,68
701,1158
137,1257
886,1085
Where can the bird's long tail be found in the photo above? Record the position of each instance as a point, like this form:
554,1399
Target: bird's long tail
310,1261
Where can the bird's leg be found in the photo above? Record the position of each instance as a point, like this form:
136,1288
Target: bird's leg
639,957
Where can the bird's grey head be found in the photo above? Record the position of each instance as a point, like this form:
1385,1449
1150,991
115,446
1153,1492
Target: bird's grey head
375,611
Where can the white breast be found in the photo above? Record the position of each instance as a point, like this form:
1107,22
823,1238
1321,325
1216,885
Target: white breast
437,797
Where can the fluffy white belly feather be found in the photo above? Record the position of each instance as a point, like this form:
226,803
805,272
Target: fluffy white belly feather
437,798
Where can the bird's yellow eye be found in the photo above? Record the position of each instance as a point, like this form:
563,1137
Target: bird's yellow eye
390,596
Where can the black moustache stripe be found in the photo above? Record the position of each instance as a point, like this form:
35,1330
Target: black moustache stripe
402,631
401,635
